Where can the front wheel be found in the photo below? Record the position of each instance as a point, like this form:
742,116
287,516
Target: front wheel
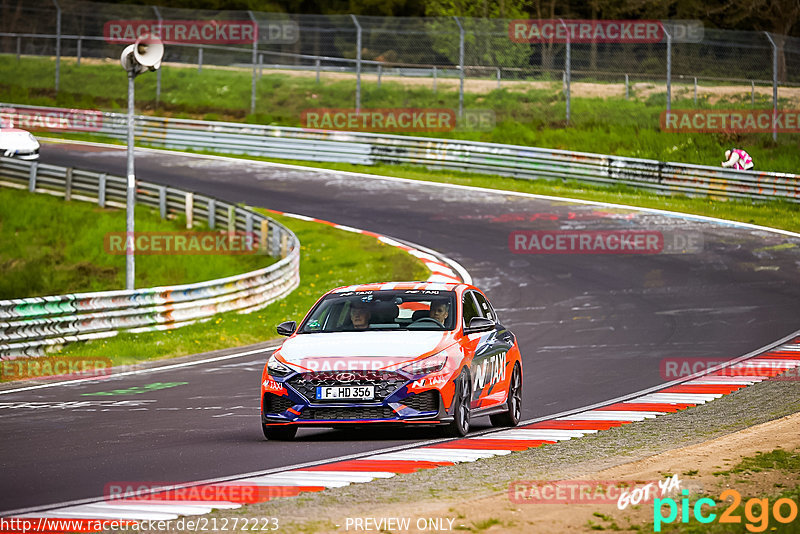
461,409
280,432
512,416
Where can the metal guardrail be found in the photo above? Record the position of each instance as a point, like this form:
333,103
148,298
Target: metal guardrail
469,156
30,326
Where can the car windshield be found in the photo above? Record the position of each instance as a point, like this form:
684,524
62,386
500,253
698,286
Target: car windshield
354,311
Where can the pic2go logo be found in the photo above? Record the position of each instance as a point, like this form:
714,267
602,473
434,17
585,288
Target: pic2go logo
756,511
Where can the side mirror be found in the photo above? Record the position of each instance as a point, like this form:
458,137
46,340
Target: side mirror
479,324
287,328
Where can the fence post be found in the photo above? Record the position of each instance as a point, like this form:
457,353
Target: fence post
32,178
68,184
162,201
358,63
460,67
318,67
253,60
101,190
78,52
200,60
567,70
752,93
774,85
58,44
669,72
158,71
695,91
212,213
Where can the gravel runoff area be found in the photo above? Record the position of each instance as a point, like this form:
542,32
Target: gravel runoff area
460,488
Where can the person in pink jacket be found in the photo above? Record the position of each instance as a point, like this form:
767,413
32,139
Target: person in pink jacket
738,159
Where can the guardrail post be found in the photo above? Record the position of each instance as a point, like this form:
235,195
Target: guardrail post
284,244
260,65
162,201
200,60
434,79
68,184
358,63
248,229
32,179
379,76
627,90
101,190
189,208
460,67
78,52
263,237
212,213
318,63
695,90
231,219
19,48
752,93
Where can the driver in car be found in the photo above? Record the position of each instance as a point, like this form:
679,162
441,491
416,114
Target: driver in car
360,315
439,310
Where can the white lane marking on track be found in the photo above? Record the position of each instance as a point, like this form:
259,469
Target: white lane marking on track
144,371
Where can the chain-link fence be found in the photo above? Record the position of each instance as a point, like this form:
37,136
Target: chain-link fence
448,50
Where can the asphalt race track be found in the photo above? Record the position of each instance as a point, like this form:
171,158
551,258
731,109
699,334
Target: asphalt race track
591,326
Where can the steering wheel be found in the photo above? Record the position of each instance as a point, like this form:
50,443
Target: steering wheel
431,319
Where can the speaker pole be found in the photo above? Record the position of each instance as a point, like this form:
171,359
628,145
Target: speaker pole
130,267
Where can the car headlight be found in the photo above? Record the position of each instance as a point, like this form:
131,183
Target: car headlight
277,368
431,364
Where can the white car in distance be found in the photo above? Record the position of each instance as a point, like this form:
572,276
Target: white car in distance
17,143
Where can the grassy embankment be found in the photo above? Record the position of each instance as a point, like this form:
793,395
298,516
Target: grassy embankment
533,117
62,253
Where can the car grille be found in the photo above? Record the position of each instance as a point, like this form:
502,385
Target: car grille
385,382
427,401
276,404
348,414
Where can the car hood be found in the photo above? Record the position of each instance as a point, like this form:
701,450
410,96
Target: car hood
361,350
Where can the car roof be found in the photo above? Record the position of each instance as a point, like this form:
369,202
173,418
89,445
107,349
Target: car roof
383,286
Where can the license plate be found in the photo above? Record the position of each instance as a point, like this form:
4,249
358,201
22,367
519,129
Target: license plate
346,392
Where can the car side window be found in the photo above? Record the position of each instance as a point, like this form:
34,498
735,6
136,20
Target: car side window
486,309
470,308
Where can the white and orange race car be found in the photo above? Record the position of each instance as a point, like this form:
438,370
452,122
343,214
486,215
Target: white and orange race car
393,353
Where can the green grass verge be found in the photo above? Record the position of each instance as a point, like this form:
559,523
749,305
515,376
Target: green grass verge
329,258
51,247
534,117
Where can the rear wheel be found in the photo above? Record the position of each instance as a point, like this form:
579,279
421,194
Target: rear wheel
512,416
461,410
279,433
